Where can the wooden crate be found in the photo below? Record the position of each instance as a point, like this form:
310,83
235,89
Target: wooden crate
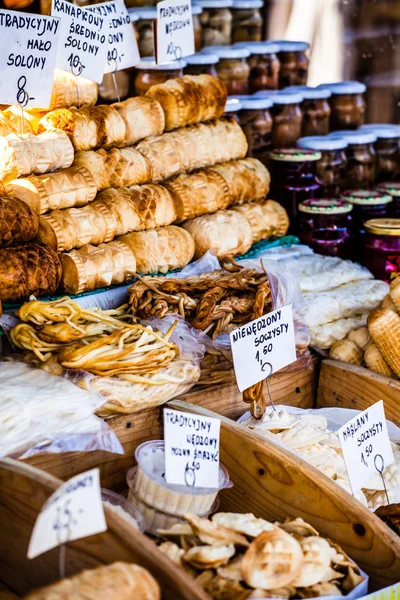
348,386
23,493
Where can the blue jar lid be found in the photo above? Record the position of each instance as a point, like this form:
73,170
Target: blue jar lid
214,3
309,93
149,63
201,59
233,105
291,46
382,130
149,12
256,103
354,136
321,142
255,47
226,51
344,87
247,4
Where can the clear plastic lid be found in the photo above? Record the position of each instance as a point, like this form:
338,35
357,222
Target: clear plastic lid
149,12
354,136
201,58
389,187
258,47
247,4
325,206
291,46
321,142
382,130
151,460
227,51
256,103
367,197
309,93
149,64
214,3
233,105
126,505
345,87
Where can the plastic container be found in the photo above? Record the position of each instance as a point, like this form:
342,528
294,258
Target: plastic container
393,189
287,119
201,64
264,66
256,121
149,73
144,27
196,12
232,68
294,63
331,168
147,484
382,248
361,158
123,507
216,22
315,108
247,20
347,104
293,178
232,108
325,226
387,148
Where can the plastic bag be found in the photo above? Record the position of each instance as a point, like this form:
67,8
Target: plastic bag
40,412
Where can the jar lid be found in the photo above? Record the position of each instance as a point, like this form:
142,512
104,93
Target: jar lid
149,64
248,3
283,97
345,87
383,226
382,130
367,197
201,59
149,12
227,51
133,15
254,103
309,93
233,105
214,3
196,9
321,142
325,206
291,46
258,47
295,155
389,187
354,136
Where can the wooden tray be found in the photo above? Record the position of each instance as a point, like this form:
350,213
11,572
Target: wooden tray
348,386
23,492
269,481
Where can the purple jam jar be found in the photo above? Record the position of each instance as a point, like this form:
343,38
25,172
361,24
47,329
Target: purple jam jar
382,248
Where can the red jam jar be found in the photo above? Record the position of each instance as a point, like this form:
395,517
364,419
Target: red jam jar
382,248
347,104
256,122
331,167
325,226
393,189
387,149
361,158
201,64
293,178
264,65
294,63
315,108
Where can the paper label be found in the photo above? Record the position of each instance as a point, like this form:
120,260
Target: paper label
82,49
74,511
263,346
175,33
366,445
191,449
122,51
28,50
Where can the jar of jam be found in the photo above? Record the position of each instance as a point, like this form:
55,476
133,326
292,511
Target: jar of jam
144,27
232,107
393,189
109,91
201,64
247,21
325,226
293,178
256,122
331,168
294,63
216,22
387,149
196,12
287,118
264,66
315,108
232,69
347,104
382,248
149,73
360,152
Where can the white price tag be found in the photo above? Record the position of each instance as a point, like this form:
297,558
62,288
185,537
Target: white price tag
366,445
82,49
74,511
175,33
28,50
123,51
264,344
191,449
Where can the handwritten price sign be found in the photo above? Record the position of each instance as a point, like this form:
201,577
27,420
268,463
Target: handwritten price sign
74,511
